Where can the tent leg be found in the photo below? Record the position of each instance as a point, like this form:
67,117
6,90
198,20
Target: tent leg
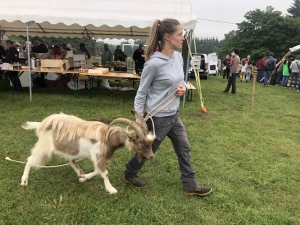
187,61
29,62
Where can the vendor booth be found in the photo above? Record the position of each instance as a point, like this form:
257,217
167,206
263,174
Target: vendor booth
92,18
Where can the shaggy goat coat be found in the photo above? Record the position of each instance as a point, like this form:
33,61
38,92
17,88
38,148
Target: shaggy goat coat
74,138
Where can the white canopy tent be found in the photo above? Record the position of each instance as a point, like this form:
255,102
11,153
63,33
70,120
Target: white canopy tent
90,18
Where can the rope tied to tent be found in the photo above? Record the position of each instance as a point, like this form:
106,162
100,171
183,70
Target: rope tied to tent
196,72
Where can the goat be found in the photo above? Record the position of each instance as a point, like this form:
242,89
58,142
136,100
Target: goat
74,138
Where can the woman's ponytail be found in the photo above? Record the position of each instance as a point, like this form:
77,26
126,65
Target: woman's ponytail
152,42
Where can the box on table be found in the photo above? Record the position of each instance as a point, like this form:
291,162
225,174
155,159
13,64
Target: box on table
55,64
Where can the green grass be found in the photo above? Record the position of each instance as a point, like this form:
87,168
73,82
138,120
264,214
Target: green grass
250,158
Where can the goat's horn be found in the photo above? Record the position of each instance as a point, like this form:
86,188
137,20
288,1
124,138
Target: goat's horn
142,119
130,123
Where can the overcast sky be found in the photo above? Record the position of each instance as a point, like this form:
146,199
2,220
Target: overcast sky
228,11
232,11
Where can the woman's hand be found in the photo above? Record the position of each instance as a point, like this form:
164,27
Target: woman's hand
181,90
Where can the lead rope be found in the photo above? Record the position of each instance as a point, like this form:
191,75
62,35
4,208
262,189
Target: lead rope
148,116
38,166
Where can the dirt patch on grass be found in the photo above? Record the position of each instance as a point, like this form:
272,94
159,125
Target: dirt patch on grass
102,121
290,117
225,110
202,115
230,110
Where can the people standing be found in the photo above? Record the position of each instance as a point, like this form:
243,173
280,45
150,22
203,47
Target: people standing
249,70
119,55
35,47
295,68
234,71
286,72
269,66
2,55
279,74
107,56
162,75
139,58
243,70
84,49
12,56
260,68
226,62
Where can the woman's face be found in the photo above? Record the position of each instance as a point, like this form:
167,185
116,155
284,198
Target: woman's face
176,38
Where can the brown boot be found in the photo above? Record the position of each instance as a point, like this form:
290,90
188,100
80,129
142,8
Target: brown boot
198,191
135,181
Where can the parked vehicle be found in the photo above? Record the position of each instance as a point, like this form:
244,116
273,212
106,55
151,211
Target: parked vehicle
213,63
201,64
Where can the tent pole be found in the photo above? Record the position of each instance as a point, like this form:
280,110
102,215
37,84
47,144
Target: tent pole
29,61
187,65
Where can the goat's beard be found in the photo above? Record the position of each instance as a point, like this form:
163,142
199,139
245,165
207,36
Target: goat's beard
140,158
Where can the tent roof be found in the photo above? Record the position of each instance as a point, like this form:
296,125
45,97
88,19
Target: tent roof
101,18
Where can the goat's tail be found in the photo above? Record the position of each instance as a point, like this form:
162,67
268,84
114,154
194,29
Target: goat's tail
31,125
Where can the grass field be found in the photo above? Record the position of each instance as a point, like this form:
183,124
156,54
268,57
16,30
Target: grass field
250,158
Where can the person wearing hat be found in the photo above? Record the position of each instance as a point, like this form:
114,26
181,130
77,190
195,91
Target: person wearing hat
107,55
119,55
84,49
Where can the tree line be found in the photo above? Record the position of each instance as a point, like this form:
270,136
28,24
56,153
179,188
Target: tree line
263,31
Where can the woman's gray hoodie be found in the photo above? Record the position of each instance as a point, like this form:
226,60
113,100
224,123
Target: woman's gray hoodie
160,77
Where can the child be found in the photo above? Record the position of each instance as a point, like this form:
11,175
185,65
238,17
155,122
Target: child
243,70
249,71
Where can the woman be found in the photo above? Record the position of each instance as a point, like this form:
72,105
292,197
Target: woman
226,62
286,72
162,75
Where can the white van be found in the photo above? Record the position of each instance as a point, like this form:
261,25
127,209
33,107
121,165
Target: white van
213,67
201,64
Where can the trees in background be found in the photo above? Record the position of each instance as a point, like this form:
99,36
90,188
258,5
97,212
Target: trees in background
205,45
263,31
294,10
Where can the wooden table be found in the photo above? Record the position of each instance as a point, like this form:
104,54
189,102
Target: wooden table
74,74
132,78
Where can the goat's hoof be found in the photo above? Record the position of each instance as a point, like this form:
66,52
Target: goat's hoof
24,183
112,191
82,179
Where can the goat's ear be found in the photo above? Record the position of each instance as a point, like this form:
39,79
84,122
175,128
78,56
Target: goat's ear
132,135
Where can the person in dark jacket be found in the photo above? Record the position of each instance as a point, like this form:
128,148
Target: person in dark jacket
35,48
2,52
139,59
226,62
12,56
84,49
260,68
268,72
119,55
